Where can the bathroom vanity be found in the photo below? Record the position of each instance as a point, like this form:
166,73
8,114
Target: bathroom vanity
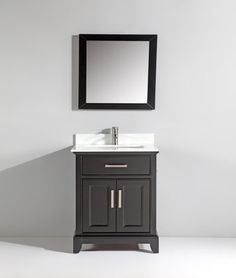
115,190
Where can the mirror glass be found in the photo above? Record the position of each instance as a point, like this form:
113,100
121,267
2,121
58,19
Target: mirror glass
117,71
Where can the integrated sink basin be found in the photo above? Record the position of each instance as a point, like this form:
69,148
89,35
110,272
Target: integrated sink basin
113,146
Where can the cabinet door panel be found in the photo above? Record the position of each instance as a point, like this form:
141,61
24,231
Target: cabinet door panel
133,205
99,205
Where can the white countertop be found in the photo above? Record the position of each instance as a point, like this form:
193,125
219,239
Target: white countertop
139,142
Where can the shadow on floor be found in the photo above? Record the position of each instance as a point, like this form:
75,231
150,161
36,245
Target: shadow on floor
66,245
58,244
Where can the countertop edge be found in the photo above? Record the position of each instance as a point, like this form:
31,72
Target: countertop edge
123,150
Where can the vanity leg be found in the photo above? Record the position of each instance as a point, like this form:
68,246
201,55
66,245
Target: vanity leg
154,244
77,244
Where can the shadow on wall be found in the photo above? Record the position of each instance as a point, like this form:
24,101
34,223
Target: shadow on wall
75,72
37,200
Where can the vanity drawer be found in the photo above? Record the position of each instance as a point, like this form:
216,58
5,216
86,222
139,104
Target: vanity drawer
116,165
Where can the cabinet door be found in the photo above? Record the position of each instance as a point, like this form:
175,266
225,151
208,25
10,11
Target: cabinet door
99,205
133,205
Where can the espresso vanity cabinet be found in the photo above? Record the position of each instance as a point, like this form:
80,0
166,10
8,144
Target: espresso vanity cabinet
116,199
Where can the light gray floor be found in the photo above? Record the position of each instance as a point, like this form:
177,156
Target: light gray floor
178,258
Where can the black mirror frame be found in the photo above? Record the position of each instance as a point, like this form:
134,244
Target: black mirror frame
150,105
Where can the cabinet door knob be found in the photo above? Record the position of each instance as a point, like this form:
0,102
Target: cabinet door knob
116,165
112,199
119,198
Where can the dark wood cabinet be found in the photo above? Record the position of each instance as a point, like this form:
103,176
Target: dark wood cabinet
99,214
116,199
133,205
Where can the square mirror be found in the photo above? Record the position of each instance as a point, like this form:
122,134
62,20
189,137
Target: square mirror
117,71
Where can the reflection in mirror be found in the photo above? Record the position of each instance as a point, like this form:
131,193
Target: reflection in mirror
117,71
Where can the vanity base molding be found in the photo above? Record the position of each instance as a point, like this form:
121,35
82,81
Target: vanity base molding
152,240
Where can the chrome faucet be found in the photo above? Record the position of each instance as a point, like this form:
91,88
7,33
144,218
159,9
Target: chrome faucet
114,134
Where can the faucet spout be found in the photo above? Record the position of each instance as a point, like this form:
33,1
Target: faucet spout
114,134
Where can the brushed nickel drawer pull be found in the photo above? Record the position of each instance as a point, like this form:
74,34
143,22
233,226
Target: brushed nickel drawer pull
116,165
112,199
119,198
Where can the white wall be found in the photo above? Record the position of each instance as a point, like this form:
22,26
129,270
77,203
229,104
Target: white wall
194,121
